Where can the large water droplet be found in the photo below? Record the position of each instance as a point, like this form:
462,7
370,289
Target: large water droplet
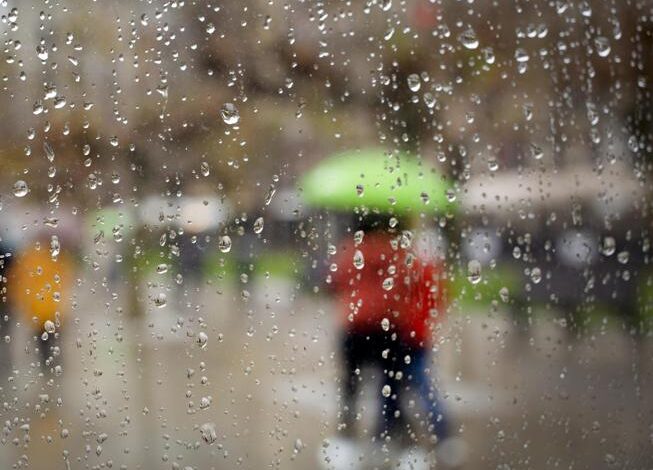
536,152
258,225
49,326
230,114
42,52
208,432
359,260
224,245
521,55
602,46
160,300
358,237
474,271
55,246
468,39
20,188
49,151
609,246
488,55
202,339
406,239
536,275
388,283
414,82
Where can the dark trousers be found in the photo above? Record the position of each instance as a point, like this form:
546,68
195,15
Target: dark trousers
388,358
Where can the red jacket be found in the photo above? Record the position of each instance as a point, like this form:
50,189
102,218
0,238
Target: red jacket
392,284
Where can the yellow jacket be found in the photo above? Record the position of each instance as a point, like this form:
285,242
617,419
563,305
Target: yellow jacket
39,286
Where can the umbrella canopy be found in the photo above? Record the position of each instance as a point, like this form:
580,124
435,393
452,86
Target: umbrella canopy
376,180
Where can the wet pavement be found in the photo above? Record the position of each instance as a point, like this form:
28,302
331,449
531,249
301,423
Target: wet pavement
135,391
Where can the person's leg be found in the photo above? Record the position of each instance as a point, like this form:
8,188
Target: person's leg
44,351
6,364
349,382
419,378
390,364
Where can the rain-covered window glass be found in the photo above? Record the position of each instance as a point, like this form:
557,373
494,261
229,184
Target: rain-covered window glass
331,234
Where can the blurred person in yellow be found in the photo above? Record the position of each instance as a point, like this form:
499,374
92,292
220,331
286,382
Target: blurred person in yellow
40,280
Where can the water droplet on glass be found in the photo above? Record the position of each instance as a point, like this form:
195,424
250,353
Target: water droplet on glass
49,326
360,190
609,246
386,391
55,246
20,188
224,244
202,339
162,268
388,283
359,260
49,152
270,194
258,225
204,169
504,294
385,324
585,9
536,152
205,403
414,82
488,55
208,432
521,55
474,271
468,39
406,239
358,237
160,300
536,275
42,52
230,114
623,257
602,46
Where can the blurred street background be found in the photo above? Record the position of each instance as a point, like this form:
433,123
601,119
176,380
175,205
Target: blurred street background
167,154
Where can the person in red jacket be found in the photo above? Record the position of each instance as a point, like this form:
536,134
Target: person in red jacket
390,303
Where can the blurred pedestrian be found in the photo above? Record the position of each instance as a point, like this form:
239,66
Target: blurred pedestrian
391,300
5,314
40,280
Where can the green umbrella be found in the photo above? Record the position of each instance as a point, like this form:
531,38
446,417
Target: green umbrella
374,179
